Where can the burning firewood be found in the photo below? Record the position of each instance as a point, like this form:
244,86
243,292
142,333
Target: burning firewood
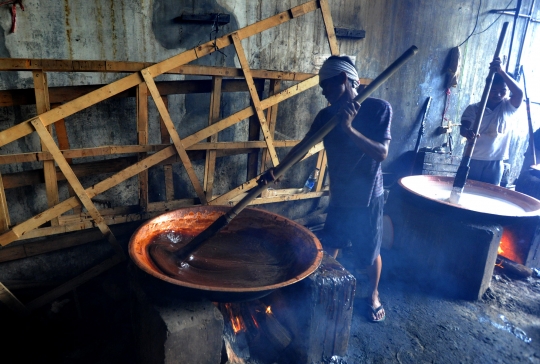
512,268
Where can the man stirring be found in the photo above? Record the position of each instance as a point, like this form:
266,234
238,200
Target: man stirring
355,149
492,145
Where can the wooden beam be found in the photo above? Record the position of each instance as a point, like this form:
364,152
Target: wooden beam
142,137
321,164
255,98
271,116
210,161
63,143
48,141
4,212
174,135
167,168
49,170
62,65
329,26
253,135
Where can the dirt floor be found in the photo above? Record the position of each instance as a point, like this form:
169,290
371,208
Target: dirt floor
92,325
420,327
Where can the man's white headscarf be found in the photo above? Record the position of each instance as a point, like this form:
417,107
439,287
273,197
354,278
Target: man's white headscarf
334,66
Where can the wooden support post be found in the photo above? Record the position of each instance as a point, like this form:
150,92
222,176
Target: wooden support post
255,98
48,141
167,168
321,164
210,162
271,117
142,136
49,170
173,134
329,25
4,212
253,134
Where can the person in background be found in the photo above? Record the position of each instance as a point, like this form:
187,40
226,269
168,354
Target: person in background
493,138
355,149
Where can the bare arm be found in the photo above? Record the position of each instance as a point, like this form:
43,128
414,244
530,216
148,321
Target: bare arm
376,150
517,93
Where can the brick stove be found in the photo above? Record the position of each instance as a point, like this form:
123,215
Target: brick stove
453,250
315,313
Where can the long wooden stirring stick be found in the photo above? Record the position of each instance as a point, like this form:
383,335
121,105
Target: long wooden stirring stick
289,160
463,170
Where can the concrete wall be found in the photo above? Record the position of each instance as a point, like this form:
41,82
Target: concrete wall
128,30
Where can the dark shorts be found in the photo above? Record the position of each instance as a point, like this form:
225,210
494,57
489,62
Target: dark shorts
357,231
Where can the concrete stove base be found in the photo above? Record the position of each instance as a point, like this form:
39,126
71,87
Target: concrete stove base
442,253
171,330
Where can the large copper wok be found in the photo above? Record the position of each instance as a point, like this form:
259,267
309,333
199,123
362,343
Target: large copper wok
478,198
297,251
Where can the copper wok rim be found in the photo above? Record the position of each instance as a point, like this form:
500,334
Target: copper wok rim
157,274
526,200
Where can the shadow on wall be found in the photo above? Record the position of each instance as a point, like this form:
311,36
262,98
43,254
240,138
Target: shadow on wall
173,34
7,79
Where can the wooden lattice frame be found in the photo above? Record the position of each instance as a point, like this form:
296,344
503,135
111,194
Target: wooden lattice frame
144,82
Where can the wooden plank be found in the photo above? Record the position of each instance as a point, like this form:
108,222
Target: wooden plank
174,135
329,25
61,133
213,116
167,168
63,94
287,197
255,98
4,212
49,170
271,116
29,64
47,139
302,9
131,149
142,137
74,283
321,164
7,298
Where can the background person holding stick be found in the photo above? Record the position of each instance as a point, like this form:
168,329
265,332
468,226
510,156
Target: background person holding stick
493,139
355,150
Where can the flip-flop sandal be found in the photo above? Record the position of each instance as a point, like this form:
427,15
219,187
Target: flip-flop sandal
374,312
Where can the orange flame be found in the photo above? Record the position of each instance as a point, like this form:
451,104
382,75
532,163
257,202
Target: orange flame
269,310
236,321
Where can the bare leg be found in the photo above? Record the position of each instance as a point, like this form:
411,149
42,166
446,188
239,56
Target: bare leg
374,273
333,252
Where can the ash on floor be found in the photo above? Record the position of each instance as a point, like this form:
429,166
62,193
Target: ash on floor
93,325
